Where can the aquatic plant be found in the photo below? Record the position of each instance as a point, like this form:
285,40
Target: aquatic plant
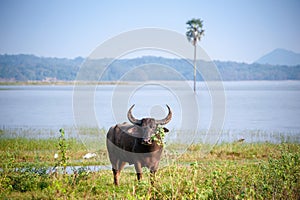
62,160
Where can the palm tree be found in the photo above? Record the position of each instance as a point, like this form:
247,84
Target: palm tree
194,33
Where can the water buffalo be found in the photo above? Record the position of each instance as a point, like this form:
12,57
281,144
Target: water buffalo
134,144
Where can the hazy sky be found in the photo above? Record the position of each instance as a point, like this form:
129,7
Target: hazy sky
236,30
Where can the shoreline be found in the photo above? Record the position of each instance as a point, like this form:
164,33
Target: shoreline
17,83
97,134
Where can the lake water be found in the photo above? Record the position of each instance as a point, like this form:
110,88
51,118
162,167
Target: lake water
249,107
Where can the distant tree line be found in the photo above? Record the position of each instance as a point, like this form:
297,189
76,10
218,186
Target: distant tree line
33,68
29,67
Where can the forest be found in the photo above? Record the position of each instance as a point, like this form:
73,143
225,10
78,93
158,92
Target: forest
22,68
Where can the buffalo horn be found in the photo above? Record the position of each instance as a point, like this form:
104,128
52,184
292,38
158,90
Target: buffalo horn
165,120
131,118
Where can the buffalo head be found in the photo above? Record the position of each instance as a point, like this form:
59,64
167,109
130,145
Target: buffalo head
147,126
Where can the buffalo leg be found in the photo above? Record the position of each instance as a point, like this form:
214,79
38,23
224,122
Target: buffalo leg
152,176
117,172
138,169
116,176
139,176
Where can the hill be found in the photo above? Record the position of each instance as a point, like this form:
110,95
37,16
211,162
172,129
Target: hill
33,68
29,67
280,57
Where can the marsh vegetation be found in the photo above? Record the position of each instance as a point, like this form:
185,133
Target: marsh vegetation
236,170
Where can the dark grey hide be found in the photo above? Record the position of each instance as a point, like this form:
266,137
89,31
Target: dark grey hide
131,143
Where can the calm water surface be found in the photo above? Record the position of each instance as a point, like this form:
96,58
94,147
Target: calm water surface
268,106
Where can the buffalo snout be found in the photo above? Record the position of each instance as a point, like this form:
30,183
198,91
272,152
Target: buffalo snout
147,141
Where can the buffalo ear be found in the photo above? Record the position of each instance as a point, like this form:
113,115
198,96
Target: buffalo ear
166,130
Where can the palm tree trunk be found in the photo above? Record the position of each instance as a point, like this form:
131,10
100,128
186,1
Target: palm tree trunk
194,68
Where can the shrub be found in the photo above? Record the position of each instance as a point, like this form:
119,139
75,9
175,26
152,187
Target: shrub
281,177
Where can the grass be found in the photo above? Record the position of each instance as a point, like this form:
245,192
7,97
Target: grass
24,150
227,171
